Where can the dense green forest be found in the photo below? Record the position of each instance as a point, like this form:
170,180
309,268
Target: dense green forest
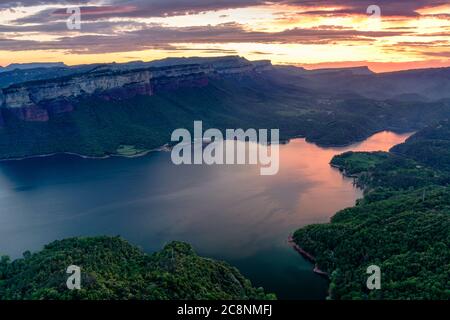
99,127
401,225
113,269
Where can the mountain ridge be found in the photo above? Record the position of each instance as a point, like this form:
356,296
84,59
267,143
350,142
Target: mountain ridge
29,100
31,65
93,110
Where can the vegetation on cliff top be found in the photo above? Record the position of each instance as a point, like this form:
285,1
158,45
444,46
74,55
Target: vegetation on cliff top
113,269
402,224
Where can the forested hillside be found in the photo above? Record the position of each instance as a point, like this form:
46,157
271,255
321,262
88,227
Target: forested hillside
430,146
101,125
113,269
402,225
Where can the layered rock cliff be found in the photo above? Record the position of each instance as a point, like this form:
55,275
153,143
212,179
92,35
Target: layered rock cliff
38,100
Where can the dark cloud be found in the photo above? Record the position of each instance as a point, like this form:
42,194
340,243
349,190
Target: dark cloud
59,27
260,53
156,36
130,8
436,48
29,3
100,34
96,9
442,54
404,8
436,43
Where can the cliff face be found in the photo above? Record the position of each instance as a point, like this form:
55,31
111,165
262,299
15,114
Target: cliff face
35,101
38,100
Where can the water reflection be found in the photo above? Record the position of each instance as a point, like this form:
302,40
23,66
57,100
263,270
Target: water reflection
227,212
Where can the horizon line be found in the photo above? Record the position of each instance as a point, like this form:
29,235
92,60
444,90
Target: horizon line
373,66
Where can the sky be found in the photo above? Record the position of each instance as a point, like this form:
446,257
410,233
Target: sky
385,35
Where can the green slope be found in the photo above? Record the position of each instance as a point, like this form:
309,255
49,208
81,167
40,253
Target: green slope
402,224
113,269
99,127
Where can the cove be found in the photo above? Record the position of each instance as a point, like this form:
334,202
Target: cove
230,213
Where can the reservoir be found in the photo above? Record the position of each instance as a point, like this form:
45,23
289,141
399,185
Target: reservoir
227,212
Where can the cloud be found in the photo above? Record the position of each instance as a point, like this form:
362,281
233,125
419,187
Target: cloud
59,27
156,36
173,7
95,9
403,8
110,26
7,4
92,9
441,54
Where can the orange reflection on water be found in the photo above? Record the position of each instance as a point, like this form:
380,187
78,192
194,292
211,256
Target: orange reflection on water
328,190
246,212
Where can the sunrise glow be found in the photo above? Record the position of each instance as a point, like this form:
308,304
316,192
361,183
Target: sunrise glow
407,35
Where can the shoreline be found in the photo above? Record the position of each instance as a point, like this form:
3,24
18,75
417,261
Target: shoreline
166,147
308,257
359,140
343,172
163,148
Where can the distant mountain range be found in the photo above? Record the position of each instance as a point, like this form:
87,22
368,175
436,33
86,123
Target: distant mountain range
94,109
410,85
416,84
33,65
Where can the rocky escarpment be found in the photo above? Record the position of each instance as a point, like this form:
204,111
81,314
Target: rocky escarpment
39,100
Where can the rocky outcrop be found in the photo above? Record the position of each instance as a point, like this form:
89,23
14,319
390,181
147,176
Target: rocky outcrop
33,93
59,106
39,100
31,113
262,65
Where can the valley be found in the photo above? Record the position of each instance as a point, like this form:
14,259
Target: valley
95,111
77,115
226,212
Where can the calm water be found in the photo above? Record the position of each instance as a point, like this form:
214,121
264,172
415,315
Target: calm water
226,212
